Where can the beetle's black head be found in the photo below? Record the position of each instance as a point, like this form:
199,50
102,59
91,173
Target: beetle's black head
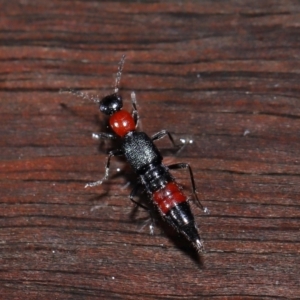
110,104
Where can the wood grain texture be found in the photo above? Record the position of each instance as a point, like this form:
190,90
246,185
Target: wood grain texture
223,73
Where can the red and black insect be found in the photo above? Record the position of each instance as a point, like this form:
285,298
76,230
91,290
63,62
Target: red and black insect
145,159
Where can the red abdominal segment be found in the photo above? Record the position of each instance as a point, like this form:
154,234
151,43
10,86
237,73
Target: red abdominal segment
168,197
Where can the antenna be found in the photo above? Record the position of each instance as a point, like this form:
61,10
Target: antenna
80,94
119,73
95,98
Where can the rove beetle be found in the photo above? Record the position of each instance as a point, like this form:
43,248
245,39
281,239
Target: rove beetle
146,161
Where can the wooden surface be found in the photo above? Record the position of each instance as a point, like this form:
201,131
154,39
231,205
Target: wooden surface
225,74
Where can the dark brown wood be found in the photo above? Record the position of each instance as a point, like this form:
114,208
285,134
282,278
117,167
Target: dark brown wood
223,73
